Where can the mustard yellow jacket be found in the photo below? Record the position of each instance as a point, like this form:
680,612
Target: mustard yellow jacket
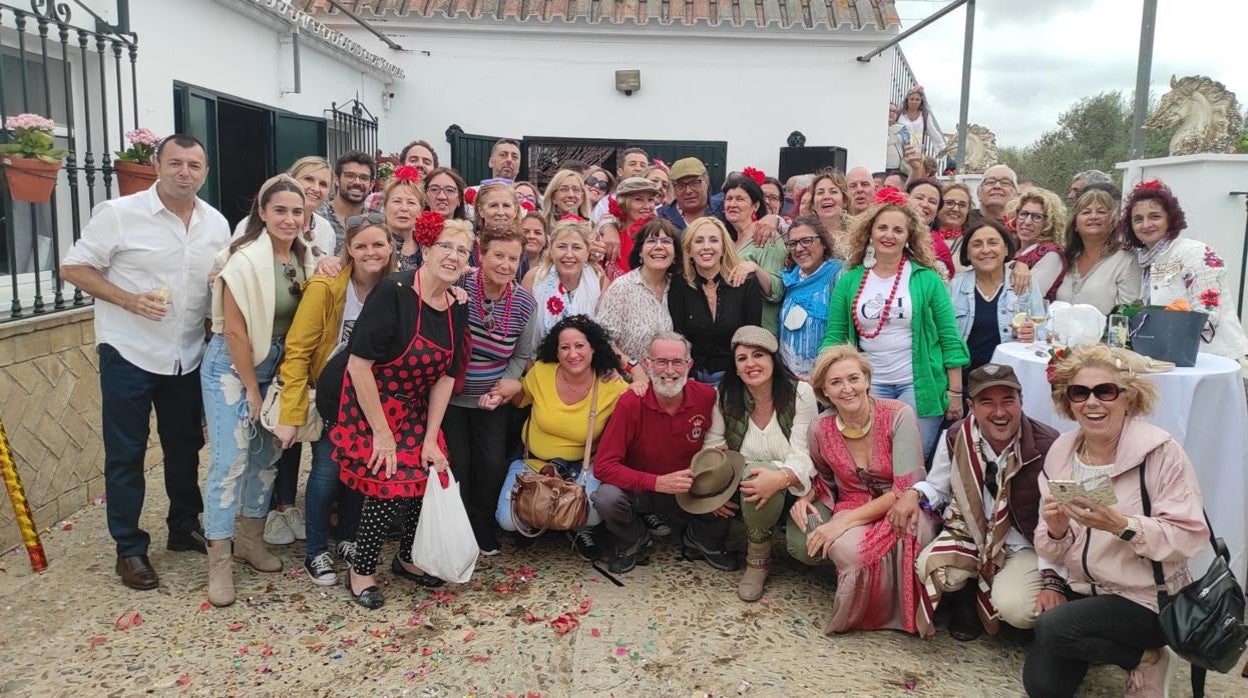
312,336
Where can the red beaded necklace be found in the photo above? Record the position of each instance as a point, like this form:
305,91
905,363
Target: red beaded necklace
888,304
487,319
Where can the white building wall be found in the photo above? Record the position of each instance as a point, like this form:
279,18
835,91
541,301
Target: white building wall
708,84
212,45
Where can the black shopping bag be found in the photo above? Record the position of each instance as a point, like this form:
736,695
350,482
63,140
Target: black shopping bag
1168,335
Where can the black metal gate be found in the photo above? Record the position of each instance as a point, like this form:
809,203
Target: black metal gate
84,80
351,127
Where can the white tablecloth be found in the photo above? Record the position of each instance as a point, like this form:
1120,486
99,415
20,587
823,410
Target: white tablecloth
1203,408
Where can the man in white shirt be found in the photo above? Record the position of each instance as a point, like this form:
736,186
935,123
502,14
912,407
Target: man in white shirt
986,470
145,258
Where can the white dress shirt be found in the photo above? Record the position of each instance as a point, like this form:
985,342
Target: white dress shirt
139,245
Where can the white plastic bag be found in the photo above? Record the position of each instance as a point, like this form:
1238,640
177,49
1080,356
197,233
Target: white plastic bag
444,545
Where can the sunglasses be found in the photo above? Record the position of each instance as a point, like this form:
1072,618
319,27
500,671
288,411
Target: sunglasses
1105,392
365,219
288,270
599,184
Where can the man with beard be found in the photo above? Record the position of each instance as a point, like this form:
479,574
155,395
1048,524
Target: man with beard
353,180
643,461
861,189
998,186
418,154
986,469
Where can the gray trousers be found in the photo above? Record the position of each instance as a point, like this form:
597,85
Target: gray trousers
621,511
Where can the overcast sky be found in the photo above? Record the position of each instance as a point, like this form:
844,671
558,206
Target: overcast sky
1034,58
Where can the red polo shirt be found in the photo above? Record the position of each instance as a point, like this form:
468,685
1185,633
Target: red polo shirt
642,441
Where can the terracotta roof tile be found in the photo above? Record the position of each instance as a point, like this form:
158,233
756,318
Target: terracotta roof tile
785,14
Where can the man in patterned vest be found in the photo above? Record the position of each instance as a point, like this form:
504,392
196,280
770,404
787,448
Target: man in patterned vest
986,470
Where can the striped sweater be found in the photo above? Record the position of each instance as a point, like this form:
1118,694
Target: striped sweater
500,352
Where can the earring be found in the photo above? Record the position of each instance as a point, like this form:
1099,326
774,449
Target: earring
868,259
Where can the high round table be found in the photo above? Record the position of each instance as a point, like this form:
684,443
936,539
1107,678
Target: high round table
1202,407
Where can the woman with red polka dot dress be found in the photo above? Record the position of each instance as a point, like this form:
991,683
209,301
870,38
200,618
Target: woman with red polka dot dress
409,345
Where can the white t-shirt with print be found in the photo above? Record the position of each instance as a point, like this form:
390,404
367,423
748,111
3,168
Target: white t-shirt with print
889,351
350,312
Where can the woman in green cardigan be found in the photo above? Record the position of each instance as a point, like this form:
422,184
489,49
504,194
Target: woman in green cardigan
894,307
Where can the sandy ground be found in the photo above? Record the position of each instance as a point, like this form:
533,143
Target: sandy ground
675,629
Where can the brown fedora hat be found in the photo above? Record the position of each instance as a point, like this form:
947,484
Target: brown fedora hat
716,476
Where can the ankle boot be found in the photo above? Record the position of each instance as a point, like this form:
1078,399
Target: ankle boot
249,546
757,563
220,573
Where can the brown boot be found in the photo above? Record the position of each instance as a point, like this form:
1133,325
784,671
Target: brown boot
757,562
220,573
249,546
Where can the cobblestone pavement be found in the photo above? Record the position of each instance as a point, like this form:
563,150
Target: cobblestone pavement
675,629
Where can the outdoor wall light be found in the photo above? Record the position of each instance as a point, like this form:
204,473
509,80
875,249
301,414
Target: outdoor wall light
628,81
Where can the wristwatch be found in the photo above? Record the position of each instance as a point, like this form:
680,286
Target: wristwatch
1127,533
631,363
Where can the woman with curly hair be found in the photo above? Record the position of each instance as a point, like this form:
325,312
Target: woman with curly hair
1038,216
916,118
893,305
1178,267
574,377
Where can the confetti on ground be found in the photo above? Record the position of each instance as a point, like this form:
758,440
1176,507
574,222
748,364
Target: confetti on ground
595,632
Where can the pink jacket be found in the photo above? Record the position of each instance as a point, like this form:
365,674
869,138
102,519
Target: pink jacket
1097,562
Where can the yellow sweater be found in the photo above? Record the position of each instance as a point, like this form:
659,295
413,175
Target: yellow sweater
557,430
313,335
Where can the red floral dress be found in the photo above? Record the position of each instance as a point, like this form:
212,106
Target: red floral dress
404,385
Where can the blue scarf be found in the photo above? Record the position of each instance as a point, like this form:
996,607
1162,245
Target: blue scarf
812,292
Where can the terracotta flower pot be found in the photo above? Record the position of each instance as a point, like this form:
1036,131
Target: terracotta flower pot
133,177
30,179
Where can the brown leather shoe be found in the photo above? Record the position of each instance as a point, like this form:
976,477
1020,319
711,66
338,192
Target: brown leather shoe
137,573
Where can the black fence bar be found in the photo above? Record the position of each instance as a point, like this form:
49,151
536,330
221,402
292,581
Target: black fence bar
351,127
80,119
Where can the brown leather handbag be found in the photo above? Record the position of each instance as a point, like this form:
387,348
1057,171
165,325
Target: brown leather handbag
545,501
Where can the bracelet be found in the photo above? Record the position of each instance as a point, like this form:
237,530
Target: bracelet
951,391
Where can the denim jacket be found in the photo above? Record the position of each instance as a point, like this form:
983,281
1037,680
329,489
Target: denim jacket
962,289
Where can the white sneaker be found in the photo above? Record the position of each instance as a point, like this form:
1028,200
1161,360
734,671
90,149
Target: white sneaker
276,530
294,519
320,570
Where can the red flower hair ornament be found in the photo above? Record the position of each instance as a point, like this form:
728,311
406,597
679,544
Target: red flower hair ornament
1151,185
428,227
890,195
470,196
754,174
407,173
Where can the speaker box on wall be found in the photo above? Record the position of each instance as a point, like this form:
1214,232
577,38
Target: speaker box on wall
807,159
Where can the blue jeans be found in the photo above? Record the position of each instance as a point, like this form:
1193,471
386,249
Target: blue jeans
929,427
503,513
242,470
127,395
287,484
319,498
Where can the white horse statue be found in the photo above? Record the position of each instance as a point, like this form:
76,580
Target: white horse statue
981,149
1206,112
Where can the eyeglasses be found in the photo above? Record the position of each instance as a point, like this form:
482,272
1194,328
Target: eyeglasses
356,177
688,184
525,197
653,240
599,184
450,248
442,191
1030,216
771,197
801,242
998,181
664,364
1105,392
365,219
958,205
568,189
288,270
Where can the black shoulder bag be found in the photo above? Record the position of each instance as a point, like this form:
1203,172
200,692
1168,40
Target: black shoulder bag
1204,622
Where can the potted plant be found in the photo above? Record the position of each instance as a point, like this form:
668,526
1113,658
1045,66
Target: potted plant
30,162
135,171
